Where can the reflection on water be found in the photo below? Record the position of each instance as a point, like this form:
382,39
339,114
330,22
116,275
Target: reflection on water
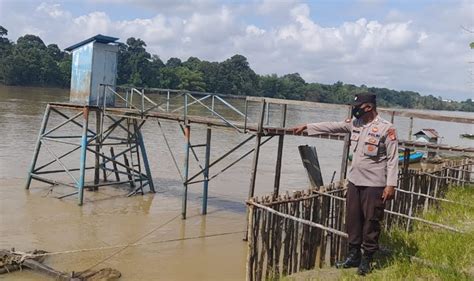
35,219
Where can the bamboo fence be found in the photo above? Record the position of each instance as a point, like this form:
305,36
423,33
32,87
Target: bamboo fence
306,229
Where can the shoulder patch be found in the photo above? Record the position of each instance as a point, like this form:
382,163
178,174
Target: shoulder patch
348,120
392,134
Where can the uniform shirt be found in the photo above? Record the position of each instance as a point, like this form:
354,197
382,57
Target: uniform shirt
374,149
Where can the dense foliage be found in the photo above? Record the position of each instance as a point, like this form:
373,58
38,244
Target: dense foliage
29,62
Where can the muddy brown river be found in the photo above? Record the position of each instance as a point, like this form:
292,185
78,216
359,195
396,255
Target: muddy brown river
164,247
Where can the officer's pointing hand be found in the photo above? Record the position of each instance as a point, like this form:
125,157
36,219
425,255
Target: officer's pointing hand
388,193
299,130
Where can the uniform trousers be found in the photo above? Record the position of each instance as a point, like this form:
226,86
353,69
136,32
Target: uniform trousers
365,210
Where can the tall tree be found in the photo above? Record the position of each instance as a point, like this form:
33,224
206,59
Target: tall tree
139,61
173,62
5,51
236,77
190,80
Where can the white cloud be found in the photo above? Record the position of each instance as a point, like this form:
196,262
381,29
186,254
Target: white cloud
53,10
254,30
397,50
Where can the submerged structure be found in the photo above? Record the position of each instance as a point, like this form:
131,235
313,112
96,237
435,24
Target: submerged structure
93,76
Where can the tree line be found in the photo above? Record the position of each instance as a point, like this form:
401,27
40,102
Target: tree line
30,62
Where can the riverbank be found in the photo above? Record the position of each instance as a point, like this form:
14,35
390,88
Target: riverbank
425,253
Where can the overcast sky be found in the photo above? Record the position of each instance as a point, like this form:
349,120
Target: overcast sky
403,45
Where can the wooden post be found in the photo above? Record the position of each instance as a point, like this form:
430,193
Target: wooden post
276,185
410,206
345,151
82,167
410,130
246,114
44,124
267,114
206,171
406,164
256,153
392,118
250,245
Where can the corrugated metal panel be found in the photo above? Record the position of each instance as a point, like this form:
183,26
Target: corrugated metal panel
93,64
430,133
81,74
104,71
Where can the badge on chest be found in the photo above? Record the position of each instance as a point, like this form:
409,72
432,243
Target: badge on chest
371,143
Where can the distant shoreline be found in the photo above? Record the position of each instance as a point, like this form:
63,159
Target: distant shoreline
391,107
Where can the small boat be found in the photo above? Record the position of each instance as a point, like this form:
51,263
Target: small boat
415,157
467,136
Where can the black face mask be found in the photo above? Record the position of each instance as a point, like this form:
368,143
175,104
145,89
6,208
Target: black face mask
358,112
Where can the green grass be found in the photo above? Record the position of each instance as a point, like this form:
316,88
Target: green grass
443,255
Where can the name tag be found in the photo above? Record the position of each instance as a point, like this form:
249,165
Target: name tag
374,135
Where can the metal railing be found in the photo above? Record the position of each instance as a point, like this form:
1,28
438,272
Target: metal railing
174,102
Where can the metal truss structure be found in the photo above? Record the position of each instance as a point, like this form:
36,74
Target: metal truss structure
117,145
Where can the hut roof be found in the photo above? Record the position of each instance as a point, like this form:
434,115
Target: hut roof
430,133
98,38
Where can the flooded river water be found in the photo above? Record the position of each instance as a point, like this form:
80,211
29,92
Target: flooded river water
166,247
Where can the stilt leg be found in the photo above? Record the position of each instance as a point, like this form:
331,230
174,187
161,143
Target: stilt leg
97,149
141,144
206,171
129,171
276,186
82,170
44,124
114,164
187,136
253,177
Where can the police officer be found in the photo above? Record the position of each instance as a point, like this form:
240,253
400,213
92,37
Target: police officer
372,176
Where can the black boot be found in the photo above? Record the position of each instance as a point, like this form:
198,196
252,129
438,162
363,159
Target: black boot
365,266
352,260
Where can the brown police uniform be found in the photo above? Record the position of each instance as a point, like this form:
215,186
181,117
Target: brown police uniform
374,149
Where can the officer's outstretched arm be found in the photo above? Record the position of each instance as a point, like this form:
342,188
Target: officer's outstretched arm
329,127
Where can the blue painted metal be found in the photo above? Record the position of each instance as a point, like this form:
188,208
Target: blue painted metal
141,144
187,146
413,158
94,64
38,145
82,164
206,171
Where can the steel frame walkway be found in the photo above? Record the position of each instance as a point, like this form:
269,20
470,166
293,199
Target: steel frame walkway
134,108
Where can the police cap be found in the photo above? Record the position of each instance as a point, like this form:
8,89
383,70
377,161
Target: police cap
363,98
